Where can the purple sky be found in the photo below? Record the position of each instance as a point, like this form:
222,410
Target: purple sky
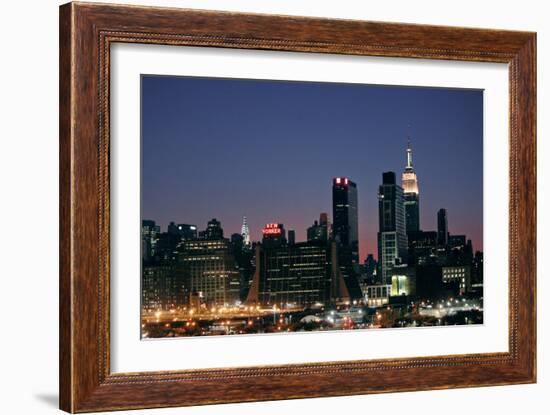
225,148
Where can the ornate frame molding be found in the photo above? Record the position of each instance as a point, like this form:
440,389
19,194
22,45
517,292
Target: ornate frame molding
86,33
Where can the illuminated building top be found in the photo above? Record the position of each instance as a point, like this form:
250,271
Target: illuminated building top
409,179
273,235
273,229
245,232
343,181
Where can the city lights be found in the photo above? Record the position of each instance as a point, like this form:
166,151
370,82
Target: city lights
200,282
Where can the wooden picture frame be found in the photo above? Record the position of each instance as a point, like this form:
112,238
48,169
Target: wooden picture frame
86,33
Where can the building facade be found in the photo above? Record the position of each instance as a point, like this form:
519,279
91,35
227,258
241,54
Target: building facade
377,295
213,230
442,228
291,236
422,247
149,236
461,275
477,268
345,228
370,267
161,288
297,275
319,231
183,230
392,237
403,281
209,269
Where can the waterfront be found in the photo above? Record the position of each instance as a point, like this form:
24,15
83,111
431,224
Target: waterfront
255,319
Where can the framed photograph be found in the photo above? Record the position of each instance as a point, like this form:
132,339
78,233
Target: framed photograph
258,207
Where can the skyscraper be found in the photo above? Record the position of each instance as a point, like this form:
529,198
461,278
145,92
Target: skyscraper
345,232
442,228
392,237
245,232
344,211
243,258
411,197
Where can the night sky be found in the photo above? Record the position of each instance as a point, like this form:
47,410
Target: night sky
224,148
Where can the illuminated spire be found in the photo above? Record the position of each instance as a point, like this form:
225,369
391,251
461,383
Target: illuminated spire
409,154
245,232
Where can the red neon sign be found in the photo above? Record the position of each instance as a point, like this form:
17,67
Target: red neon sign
272,229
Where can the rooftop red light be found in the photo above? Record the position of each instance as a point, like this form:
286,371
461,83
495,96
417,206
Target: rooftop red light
341,180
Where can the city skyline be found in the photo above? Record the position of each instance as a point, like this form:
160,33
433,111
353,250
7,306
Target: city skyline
245,155
177,139
245,228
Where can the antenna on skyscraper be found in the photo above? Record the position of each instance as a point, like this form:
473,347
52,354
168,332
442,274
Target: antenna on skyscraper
409,149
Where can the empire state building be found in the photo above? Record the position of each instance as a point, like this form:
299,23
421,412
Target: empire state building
410,189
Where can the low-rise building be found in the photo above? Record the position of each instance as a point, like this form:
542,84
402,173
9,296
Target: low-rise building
377,295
